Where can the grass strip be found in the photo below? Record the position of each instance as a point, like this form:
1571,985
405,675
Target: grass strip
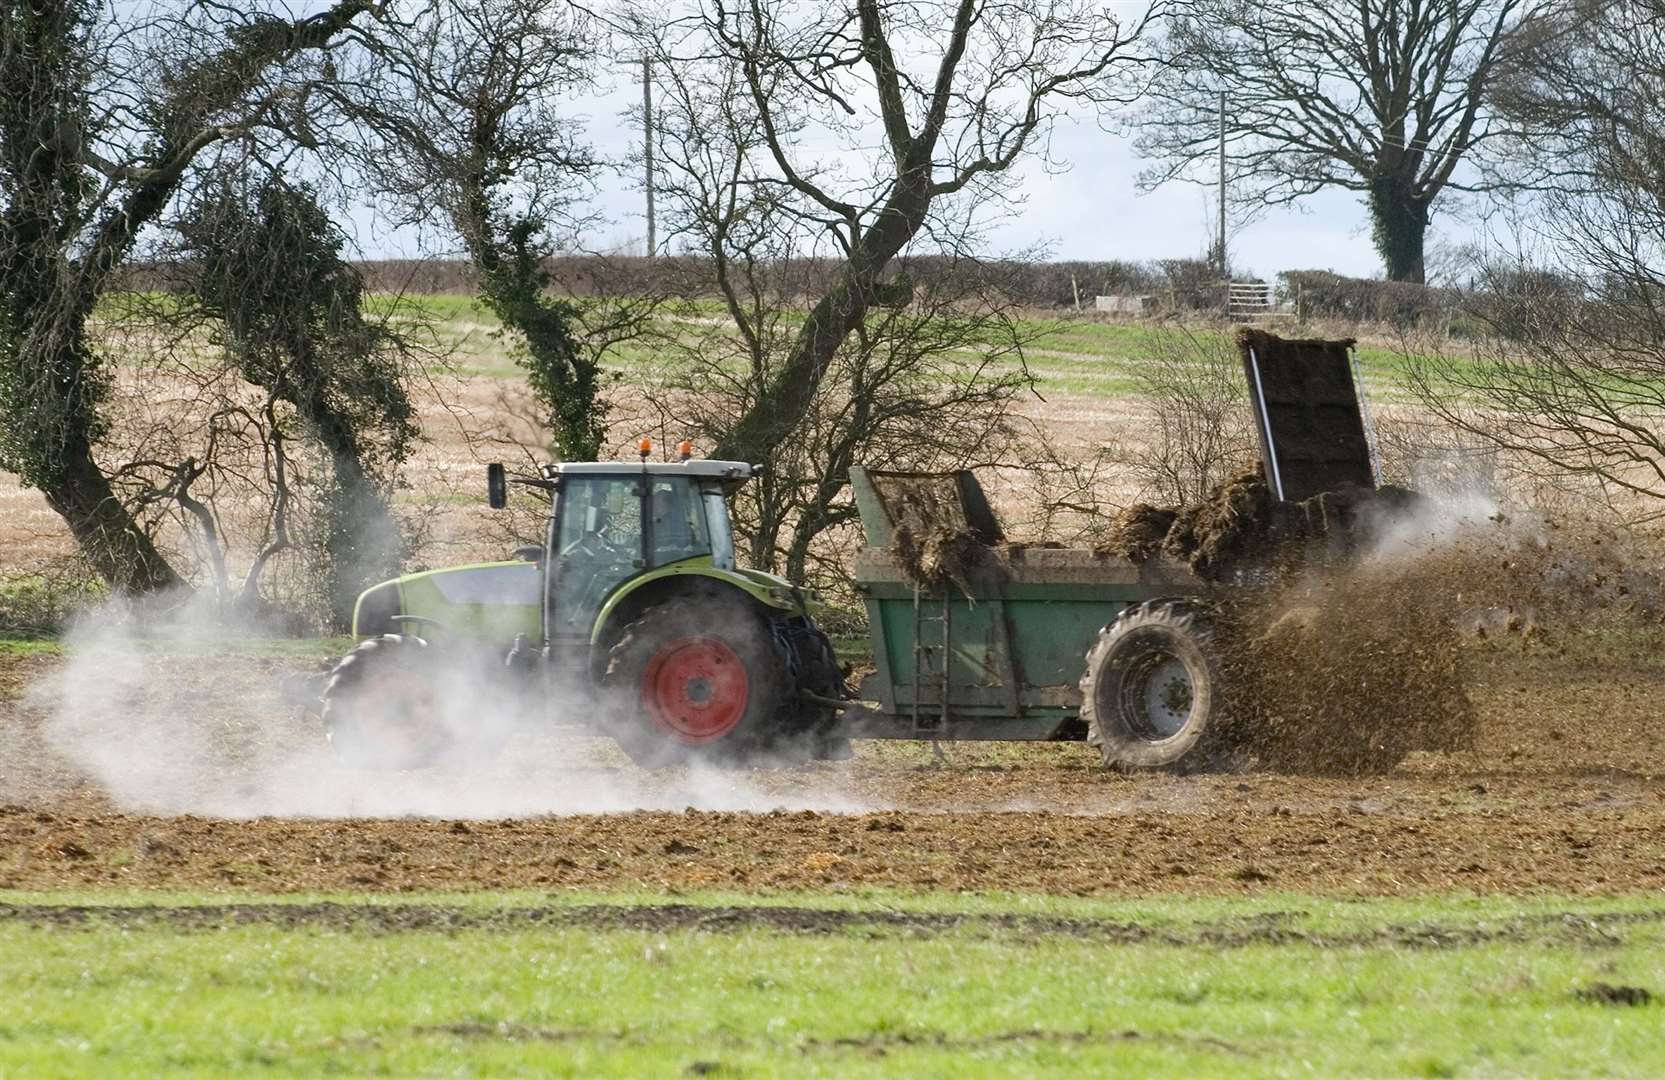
606,985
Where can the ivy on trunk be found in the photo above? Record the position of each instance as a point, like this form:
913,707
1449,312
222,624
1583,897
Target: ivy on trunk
266,263
1399,227
76,197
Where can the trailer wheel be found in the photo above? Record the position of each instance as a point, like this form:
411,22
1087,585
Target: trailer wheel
1151,694
695,679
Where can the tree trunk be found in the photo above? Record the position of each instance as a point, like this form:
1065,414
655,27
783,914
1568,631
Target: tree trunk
363,538
51,434
797,555
364,541
1399,226
512,281
787,397
121,553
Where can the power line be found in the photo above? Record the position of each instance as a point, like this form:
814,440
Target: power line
1223,263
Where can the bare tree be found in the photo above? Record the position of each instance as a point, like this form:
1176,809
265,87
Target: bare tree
264,262
926,386
213,461
271,412
1387,98
1574,390
468,112
102,115
871,124
1201,430
1572,379
926,381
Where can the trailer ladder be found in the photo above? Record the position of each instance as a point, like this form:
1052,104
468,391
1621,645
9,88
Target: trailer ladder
922,654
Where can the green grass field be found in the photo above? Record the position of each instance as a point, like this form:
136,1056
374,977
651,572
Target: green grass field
1078,356
879,985
1064,355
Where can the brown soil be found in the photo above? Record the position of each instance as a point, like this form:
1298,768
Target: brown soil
1584,835
1601,993
1565,793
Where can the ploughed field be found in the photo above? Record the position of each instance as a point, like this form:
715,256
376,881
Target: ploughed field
199,777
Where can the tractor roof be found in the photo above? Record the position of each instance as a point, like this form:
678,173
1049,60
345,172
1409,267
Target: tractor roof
722,470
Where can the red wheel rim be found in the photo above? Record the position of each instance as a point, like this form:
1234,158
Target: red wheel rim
398,713
696,689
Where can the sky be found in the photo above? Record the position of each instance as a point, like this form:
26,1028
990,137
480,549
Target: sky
1091,209
1085,206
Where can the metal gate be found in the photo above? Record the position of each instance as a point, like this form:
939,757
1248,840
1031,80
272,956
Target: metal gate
1254,301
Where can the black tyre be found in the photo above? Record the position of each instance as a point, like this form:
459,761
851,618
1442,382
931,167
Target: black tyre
1152,692
395,703
696,679
815,669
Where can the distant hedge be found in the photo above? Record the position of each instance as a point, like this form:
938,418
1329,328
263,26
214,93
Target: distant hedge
1170,284
1183,283
1321,294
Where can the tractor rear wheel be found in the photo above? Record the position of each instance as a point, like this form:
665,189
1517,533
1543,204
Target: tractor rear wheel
1152,693
696,679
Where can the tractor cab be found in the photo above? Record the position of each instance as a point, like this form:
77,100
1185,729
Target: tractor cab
612,522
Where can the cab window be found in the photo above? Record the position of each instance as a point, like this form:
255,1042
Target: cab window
679,530
598,541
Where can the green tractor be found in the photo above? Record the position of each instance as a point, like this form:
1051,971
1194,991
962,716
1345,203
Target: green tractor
631,618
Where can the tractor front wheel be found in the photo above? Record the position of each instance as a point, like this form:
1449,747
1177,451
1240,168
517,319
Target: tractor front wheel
395,702
695,679
382,708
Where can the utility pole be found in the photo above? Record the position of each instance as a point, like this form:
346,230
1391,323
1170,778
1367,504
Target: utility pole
1222,194
647,145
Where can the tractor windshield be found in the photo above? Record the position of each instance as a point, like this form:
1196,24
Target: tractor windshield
598,543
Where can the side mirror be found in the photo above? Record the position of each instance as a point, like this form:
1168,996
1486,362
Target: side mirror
497,486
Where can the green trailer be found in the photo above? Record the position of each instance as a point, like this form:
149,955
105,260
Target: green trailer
1026,643
999,652
1018,642
1046,643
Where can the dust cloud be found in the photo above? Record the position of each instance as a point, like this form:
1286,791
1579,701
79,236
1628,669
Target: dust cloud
1341,662
163,708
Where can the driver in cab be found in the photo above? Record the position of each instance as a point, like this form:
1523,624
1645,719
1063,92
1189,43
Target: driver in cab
593,543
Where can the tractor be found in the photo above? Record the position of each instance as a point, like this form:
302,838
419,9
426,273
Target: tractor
632,618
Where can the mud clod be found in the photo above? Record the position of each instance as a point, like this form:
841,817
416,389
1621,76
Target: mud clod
1137,533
